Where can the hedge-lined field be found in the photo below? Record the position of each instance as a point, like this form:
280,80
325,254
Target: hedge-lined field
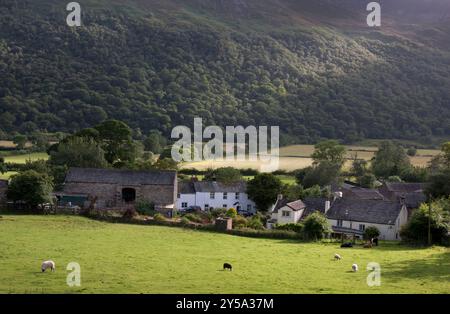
119,258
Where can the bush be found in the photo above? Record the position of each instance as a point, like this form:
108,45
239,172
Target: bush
218,212
411,152
255,223
194,218
184,221
371,232
146,208
232,212
239,222
416,230
298,228
315,226
158,217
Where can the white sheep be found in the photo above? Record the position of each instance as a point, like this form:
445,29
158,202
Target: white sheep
337,257
355,267
48,264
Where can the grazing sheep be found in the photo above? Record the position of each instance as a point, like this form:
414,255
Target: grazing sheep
337,257
227,266
355,268
368,245
48,264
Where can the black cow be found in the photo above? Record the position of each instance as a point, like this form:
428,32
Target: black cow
227,266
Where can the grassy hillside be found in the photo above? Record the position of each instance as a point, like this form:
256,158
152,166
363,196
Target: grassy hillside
117,258
311,67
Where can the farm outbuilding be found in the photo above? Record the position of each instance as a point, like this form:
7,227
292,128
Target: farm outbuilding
118,188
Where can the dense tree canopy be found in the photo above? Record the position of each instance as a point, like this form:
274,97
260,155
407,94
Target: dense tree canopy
155,69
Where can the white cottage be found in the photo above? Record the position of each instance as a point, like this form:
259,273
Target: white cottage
353,216
211,194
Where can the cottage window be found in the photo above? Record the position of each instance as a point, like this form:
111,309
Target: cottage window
362,227
206,206
184,205
237,195
212,195
339,223
249,207
285,213
225,195
224,206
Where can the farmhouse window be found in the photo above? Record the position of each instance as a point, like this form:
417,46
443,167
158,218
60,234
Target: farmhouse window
285,213
249,207
339,223
362,227
225,195
206,206
184,205
224,206
212,195
237,196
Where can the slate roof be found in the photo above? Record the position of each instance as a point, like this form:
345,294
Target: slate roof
218,187
295,205
403,187
368,194
371,211
186,187
314,204
118,176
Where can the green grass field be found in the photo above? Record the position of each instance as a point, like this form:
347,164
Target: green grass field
117,258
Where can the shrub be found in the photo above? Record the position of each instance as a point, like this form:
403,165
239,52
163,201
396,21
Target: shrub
315,226
194,218
239,222
146,208
371,232
411,152
255,223
218,212
416,230
232,212
184,221
298,228
159,217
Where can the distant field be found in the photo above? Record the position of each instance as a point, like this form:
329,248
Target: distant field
21,159
10,144
298,157
7,175
119,258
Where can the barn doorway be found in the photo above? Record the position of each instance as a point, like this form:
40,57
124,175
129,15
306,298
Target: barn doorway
128,195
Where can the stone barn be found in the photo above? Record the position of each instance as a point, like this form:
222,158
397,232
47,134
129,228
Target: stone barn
114,188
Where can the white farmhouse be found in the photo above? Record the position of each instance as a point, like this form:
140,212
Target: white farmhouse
211,194
353,216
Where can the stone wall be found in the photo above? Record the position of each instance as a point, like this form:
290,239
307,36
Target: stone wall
110,195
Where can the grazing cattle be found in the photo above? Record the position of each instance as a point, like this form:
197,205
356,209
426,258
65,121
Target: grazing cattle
337,257
227,266
354,268
368,245
48,264
348,244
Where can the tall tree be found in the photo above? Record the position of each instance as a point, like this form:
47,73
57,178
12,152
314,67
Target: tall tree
79,152
329,151
264,189
390,160
31,187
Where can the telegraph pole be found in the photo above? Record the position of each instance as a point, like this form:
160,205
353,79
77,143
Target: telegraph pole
429,223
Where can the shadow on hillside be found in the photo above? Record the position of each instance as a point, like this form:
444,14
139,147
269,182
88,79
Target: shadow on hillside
435,268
